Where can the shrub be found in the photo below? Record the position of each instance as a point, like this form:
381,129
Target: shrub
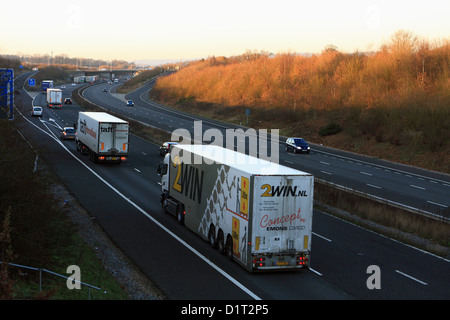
330,129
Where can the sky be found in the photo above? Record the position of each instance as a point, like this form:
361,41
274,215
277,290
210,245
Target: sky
179,30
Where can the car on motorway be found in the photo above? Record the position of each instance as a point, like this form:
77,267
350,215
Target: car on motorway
68,133
37,111
105,90
130,103
297,145
67,101
165,148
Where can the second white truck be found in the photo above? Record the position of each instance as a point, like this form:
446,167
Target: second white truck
256,212
103,136
54,98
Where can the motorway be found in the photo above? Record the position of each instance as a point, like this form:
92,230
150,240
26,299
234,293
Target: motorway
409,186
124,200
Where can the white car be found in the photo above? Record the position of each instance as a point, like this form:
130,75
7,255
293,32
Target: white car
36,112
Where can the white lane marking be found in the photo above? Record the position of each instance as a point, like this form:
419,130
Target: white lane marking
318,235
438,204
412,278
417,187
316,272
373,186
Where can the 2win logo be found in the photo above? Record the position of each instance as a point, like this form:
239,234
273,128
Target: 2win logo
283,191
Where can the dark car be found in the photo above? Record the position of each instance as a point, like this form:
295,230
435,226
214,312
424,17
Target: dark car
297,145
165,148
68,133
67,101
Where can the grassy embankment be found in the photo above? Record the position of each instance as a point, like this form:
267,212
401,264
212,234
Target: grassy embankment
391,104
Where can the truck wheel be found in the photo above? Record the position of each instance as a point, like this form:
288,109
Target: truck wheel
229,248
164,204
221,242
212,236
180,215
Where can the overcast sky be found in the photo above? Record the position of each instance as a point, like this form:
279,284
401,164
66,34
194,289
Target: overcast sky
184,30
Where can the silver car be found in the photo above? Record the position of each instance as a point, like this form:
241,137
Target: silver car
36,111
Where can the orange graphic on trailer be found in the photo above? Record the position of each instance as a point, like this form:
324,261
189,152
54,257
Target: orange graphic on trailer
235,234
244,196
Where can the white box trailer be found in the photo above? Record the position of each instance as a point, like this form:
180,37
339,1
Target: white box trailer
103,136
256,212
79,79
54,98
91,79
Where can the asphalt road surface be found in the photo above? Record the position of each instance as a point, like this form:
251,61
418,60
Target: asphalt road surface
124,200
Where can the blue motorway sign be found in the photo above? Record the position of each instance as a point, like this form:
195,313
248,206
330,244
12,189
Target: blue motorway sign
31,82
7,94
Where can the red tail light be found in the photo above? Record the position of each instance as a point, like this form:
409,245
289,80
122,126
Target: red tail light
301,260
259,262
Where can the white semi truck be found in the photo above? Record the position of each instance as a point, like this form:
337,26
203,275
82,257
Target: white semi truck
103,136
54,98
256,212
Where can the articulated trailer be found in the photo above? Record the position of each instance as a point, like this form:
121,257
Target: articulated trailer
256,212
54,98
102,136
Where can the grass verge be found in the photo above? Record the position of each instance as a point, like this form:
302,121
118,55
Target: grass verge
36,231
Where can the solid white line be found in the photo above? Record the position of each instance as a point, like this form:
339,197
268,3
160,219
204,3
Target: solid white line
412,278
378,165
383,236
234,281
316,272
321,237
